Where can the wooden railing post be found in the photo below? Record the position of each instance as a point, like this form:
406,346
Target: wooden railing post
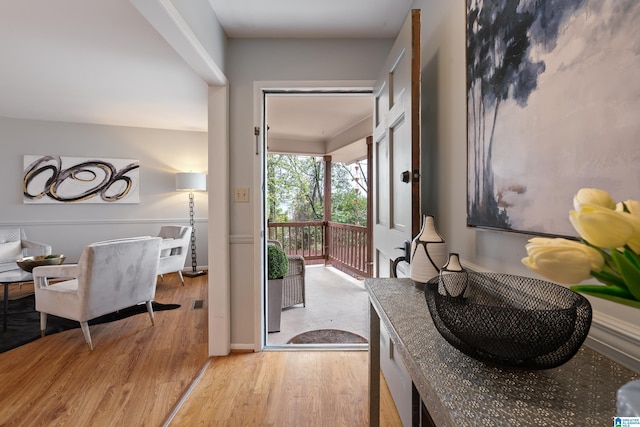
327,207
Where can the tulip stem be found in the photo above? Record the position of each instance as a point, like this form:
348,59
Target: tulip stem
609,278
633,257
611,293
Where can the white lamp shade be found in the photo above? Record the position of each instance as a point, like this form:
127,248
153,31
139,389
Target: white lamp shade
191,181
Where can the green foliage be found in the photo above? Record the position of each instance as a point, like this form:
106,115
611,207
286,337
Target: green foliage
349,208
277,262
294,182
295,190
349,194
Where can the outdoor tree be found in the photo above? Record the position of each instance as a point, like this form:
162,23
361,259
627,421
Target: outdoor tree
349,194
295,190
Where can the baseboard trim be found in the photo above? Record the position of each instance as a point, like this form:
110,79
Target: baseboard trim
242,347
242,351
615,339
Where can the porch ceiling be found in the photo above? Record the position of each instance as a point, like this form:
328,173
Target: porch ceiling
320,125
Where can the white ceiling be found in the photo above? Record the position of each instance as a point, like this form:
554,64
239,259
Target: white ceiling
315,117
319,125
101,61
93,61
307,18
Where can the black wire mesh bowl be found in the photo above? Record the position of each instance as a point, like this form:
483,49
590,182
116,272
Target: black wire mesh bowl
509,320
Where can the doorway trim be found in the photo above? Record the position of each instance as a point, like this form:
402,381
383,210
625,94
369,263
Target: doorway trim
260,89
219,310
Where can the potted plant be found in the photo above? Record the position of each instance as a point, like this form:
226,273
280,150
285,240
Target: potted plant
277,268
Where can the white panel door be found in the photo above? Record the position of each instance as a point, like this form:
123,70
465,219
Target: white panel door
396,152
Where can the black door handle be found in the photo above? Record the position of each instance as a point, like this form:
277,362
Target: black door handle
394,266
407,257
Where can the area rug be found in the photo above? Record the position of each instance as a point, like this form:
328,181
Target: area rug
327,336
23,324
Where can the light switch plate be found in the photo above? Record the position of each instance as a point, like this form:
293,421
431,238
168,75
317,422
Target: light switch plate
241,195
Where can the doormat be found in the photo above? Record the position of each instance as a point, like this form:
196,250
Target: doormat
327,336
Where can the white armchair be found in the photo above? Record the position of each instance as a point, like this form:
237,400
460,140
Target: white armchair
109,276
174,249
14,245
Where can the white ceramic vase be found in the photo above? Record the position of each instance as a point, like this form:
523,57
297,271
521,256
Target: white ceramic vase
428,252
453,278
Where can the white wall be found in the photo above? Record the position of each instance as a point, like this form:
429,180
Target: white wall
205,25
69,227
249,61
444,147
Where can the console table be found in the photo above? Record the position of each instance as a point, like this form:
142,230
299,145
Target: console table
452,389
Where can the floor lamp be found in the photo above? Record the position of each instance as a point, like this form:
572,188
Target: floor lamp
192,181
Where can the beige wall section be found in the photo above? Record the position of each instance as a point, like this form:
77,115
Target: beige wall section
444,146
69,227
219,293
205,25
250,61
193,30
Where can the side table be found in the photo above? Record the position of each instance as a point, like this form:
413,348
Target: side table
8,278
450,388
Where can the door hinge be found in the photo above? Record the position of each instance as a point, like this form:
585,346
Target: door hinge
256,132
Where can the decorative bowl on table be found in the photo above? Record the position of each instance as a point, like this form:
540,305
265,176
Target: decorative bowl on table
510,320
31,262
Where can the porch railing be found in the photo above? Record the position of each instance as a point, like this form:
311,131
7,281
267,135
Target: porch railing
347,247
342,245
300,238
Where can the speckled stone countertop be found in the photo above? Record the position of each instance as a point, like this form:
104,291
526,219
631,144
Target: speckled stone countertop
461,391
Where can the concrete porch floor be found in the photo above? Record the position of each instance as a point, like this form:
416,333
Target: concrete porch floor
334,300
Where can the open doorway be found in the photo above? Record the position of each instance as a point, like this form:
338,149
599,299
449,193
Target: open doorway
316,209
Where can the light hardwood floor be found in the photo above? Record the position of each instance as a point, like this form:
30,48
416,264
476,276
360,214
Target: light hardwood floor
138,375
285,388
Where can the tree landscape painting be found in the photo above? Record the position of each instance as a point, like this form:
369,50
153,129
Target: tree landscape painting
553,105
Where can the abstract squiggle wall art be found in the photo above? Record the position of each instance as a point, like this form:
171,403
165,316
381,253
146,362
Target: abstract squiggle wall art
61,179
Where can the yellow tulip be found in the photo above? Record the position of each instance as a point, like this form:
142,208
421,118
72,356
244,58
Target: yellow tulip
562,260
602,227
633,206
609,230
634,240
593,196
632,214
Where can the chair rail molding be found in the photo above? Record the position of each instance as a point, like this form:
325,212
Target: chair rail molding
91,222
241,239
